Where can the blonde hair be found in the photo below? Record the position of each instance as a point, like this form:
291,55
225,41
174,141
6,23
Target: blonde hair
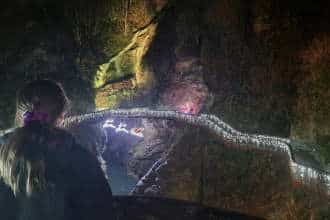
22,157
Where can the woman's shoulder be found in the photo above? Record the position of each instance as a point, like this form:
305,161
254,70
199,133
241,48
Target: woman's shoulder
57,138
68,139
66,143
63,136
58,141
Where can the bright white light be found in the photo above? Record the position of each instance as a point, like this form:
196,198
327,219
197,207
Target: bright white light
109,124
122,128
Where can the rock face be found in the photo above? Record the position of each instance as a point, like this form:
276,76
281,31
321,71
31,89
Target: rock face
251,57
187,91
34,44
260,65
159,137
205,170
312,112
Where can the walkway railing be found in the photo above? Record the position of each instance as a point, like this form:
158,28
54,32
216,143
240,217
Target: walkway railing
301,169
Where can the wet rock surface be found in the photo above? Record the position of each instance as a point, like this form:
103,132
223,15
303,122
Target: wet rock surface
205,170
159,136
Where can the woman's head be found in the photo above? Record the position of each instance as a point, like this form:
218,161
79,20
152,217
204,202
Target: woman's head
43,100
24,154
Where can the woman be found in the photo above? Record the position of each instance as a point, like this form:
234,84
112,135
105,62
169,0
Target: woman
49,175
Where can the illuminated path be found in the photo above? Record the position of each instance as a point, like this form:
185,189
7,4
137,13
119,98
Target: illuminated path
214,125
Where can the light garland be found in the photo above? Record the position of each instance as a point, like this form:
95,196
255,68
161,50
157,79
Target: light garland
216,126
209,122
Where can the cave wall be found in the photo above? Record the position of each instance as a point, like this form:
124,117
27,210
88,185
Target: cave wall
211,172
311,123
252,54
37,42
202,168
256,63
259,57
260,65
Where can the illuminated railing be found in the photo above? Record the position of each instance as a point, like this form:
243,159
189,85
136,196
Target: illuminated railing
214,125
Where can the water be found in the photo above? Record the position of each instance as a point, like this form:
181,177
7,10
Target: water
120,182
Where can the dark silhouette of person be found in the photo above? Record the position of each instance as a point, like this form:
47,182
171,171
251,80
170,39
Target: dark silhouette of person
44,173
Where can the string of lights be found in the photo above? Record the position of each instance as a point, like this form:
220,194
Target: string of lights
207,121
214,125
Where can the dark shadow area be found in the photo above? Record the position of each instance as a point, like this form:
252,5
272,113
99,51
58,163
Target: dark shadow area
141,208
